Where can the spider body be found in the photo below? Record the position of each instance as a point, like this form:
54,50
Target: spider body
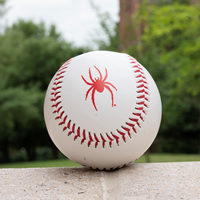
98,84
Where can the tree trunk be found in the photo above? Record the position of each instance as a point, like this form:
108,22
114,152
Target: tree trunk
194,1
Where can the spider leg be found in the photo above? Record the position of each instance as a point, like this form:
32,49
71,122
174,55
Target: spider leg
108,88
86,81
91,75
105,75
111,85
93,92
99,72
88,92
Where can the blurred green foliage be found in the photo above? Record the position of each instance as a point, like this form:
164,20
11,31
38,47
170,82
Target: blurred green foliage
30,55
169,48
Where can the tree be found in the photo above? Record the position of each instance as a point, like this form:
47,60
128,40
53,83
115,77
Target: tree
169,48
30,55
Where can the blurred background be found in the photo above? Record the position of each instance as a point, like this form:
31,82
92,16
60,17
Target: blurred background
37,37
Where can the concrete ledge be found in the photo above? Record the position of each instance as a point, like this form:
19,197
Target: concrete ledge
137,181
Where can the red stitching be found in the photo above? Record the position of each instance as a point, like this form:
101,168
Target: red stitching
55,99
55,105
56,88
135,120
84,138
103,143
55,93
64,120
128,131
139,108
57,83
140,76
73,129
110,143
142,85
141,103
60,116
142,81
137,114
90,140
142,92
68,124
97,140
122,134
141,97
132,126
61,72
78,133
139,71
57,111
116,138
59,78
62,68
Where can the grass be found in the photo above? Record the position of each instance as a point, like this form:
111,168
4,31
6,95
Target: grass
45,163
154,158
68,163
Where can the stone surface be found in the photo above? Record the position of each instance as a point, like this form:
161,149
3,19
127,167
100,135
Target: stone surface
137,181
161,181
50,183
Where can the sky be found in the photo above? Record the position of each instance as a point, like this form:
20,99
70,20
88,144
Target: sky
75,19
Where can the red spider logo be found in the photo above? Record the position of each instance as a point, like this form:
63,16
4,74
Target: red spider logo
98,85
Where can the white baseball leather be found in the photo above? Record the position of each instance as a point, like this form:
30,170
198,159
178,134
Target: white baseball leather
104,125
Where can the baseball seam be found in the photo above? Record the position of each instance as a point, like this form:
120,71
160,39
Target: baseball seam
133,123
118,167
143,99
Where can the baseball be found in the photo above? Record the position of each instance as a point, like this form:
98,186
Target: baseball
102,109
